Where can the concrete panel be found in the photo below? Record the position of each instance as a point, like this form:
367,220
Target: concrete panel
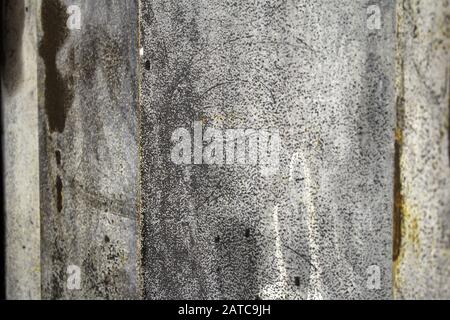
315,220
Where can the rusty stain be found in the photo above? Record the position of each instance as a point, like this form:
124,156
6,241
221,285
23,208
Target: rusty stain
58,91
398,205
413,233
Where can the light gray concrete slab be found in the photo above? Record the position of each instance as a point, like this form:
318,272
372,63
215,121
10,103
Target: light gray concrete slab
20,150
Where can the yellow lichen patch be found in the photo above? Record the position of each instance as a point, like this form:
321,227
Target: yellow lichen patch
398,214
398,135
401,215
396,275
409,237
412,228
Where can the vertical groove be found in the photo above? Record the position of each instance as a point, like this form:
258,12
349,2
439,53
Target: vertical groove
139,219
398,198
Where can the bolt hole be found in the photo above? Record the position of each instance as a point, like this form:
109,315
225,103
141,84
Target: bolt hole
147,65
58,157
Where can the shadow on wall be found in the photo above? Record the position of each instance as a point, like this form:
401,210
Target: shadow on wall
2,211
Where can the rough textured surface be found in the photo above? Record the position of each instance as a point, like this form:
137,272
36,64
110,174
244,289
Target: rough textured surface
20,150
88,149
422,255
312,70
316,225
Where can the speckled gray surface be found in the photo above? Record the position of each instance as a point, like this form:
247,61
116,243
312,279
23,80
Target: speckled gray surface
88,149
312,70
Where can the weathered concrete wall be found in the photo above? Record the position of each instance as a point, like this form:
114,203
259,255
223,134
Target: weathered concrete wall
320,226
422,236
351,202
20,149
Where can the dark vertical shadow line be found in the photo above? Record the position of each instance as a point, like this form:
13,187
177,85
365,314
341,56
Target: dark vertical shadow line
2,208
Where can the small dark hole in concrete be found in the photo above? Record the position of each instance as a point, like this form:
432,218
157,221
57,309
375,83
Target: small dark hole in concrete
58,157
147,65
217,239
106,239
247,233
59,196
23,247
297,281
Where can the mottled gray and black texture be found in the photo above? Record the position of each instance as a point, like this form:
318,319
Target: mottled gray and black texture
89,148
311,69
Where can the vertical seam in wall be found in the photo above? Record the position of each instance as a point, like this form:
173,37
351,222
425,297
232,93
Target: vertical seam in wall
399,110
139,219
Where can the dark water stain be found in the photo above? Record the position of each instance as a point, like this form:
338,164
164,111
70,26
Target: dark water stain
59,197
13,22
58,90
